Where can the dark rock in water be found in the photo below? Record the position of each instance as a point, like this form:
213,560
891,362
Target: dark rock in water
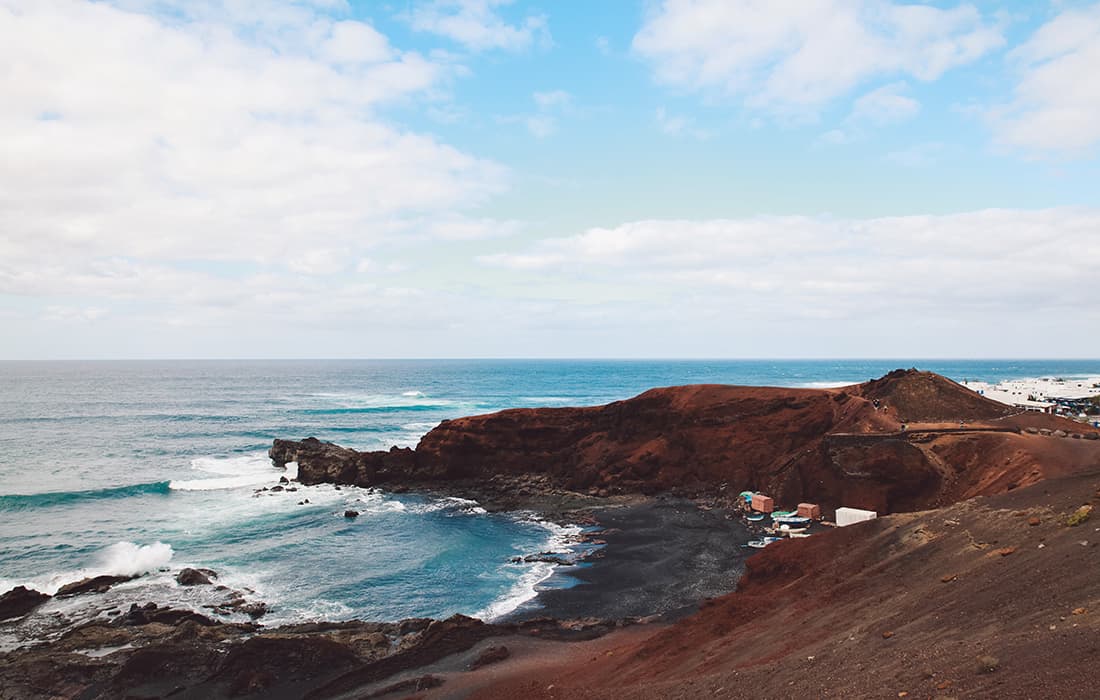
548,557
254,610
491,655
284,480
19,601
195,577
351,514
97,584
149,613
277,488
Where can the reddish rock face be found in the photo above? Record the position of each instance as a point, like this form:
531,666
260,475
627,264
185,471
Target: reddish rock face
834,447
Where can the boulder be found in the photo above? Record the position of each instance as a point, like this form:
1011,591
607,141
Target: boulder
19,601
351,514
95,584
195,577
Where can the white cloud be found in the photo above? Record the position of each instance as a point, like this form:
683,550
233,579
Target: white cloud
885,105
677,125
1013,264
478,26
1056,105
128,137
356,42
793,56
922,155
552,98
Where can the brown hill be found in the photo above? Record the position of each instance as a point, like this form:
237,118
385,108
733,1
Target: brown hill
835,447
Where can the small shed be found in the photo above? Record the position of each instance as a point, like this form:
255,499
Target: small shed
851,516
762,503
809,510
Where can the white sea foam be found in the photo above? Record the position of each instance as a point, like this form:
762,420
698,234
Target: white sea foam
236,472
119,559
254,463
407,399
521,591
562,537
225,482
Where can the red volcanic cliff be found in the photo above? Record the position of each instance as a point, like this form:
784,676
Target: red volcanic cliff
906,441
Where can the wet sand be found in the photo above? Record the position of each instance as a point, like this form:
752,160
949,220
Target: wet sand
662,557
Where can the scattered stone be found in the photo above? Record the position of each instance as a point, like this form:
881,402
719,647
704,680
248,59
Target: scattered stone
351,514
19,601
987,663
1059,433
1005,551
96,584
948,578
1079,611
887,634
1033,521
195,577
491,655
943,685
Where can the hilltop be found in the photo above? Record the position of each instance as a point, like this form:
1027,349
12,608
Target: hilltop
908,441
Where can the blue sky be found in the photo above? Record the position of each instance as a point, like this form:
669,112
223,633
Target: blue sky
482,178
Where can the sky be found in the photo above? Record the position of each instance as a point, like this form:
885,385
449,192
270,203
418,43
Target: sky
485,178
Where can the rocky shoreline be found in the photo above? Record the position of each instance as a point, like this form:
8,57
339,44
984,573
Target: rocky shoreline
152,651
658,474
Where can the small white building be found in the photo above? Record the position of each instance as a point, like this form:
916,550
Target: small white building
851,516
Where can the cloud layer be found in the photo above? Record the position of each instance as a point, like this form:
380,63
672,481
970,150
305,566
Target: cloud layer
794,56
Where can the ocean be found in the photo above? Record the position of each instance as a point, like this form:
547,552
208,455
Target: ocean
128,467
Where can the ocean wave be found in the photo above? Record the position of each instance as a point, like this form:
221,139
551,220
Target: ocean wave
234,472
368,410
56,498
354,403
523,590
253,463
119,559
562,540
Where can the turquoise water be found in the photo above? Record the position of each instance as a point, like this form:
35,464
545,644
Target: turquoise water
125,467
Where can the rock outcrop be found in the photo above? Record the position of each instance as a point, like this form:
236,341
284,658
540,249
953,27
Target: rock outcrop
906,441
19,601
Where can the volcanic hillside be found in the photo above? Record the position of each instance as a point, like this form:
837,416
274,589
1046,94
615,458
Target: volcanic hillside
989,598
907,441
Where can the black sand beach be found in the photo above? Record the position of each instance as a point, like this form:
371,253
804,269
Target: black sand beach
661,558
